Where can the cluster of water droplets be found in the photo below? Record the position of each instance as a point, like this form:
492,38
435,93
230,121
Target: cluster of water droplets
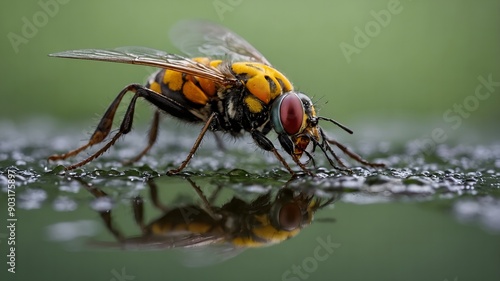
467,174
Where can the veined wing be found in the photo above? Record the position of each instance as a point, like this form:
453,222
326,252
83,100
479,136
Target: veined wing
149,57
203,38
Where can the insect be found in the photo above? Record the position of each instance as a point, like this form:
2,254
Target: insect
269,219
227,86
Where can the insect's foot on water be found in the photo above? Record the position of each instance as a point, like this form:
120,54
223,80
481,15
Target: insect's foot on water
295,175
173,172
55,157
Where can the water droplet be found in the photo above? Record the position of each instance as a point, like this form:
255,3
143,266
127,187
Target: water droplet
102,204
64,204
238,173
32,198
67,231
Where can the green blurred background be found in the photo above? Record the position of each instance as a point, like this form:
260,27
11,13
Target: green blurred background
422,63
426,58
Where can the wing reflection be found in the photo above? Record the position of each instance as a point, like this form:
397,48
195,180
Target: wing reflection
269,219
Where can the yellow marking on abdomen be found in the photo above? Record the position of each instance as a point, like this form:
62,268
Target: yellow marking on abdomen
173,80
193,93
215,63
247,242
207,86
198,227
155,86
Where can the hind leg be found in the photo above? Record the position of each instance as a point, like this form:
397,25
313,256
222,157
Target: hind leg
152,136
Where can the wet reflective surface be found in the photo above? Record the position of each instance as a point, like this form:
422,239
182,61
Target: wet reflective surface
234,226
431,215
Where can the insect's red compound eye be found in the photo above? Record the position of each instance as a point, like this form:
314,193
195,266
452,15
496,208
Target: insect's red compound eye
290,216
288,114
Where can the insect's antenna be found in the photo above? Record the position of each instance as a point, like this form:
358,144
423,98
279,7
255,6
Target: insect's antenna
337,123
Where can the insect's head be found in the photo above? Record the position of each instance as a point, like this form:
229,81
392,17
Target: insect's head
294,120
291,211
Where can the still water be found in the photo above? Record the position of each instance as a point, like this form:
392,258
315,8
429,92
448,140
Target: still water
428,216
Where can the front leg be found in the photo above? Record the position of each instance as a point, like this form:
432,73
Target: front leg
263,142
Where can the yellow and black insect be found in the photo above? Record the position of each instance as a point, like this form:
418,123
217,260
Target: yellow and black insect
228,86
236,225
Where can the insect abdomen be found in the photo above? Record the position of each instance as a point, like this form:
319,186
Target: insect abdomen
187,89
192,93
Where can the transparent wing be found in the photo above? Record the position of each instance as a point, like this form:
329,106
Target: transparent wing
203,38
197,249
209,255
161,242
149,57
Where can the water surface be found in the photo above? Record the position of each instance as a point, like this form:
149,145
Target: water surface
430,215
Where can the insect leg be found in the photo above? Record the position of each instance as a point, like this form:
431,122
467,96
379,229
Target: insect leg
326,148
206,202
160,101
214,194
152,136
310,159
138,207
287,145
153,191
195,146
264,143
105,214
125,126
350,153
102,130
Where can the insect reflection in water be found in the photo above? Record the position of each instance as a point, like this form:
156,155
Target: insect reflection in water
236,225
